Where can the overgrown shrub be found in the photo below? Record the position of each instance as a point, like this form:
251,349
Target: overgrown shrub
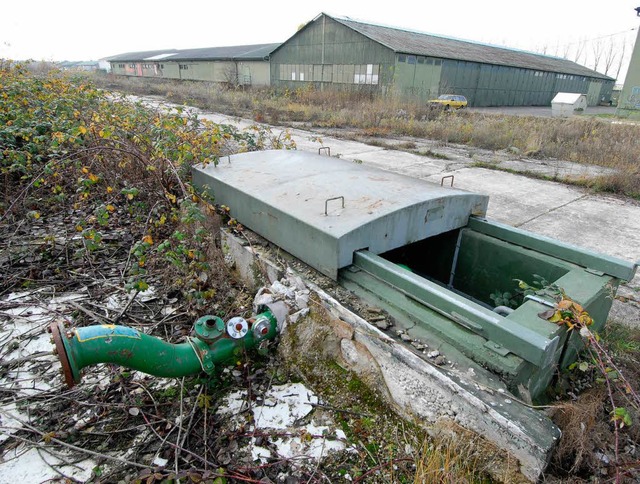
103,164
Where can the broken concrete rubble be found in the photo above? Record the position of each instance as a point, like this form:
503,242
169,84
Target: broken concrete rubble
428,391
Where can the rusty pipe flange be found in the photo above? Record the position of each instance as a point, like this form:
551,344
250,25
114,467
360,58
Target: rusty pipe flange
59,338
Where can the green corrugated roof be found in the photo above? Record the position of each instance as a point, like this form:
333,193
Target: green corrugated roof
142,55
245,52
419,43
239,52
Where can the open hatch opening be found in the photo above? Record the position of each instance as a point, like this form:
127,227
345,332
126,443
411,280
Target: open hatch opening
476,265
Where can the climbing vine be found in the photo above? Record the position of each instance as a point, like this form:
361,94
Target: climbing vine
621,395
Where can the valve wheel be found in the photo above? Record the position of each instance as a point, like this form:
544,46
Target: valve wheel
237,327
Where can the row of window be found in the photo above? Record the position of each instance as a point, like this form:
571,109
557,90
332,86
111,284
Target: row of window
570,77
144,66
336,73
559,76
349,73
419,59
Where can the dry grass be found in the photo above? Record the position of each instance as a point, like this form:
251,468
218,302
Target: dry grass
456,455
582,139
578,421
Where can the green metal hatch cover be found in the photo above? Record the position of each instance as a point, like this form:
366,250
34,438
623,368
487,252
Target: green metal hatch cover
323,209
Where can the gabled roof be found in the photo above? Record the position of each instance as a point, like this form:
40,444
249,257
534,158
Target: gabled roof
142,55
236,52
420,43
245,52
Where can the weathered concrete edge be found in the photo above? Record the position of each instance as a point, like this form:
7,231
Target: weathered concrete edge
427,392
249,262
417,389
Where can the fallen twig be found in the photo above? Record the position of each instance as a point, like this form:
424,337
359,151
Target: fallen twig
67,445
17,361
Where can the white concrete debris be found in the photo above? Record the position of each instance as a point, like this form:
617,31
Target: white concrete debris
282,412
289,291
37,465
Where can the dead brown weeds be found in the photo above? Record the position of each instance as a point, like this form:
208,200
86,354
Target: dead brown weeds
580,139
580,422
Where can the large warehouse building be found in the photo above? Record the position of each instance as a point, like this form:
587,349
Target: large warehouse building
242,65
339,53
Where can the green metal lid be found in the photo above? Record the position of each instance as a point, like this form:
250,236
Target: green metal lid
322,209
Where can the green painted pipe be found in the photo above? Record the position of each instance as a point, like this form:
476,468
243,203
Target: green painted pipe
214,343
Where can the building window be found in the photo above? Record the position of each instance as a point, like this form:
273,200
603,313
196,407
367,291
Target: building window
411,59
437,62
366,74
420,59
402,58
429,61
183,67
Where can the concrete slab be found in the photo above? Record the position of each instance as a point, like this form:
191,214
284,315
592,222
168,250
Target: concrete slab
399,161
557,169
514,199
430,171
605,224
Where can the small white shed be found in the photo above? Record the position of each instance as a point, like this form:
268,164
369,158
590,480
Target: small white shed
566,104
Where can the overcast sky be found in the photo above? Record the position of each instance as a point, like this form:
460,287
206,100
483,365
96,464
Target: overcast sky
89,30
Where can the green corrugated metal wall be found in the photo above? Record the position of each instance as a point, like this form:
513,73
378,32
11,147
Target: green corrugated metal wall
170,70
255,73
326,52
492,85
418,76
